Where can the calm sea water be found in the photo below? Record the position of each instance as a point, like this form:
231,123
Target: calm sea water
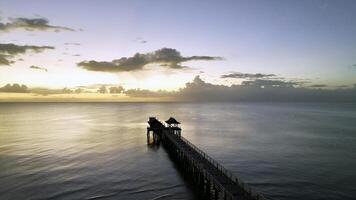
99,150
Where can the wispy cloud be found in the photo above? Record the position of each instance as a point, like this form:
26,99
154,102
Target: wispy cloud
39,68
165,57
318,86
72,43
8,51
31,24
342,86
239,75
140,40
272,83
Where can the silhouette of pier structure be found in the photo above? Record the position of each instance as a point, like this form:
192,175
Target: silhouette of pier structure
210,177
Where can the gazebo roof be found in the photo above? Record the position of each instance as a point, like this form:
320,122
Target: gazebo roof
171,120
154,123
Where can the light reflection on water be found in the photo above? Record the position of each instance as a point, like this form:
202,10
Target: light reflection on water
99,151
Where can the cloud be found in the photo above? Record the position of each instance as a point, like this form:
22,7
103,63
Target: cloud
140,40
17,88
31,24
200,91
102,90
149,93
255,91
4,60
166,57
13,49
272,83
116,90
14,88
39,68
97,88
7,51
318,86
47,91
72,43
342,86
264,80
239,75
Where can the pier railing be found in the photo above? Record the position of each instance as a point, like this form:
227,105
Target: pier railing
227,183
224,171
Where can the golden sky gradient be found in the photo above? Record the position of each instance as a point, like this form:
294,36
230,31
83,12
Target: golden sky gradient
308,45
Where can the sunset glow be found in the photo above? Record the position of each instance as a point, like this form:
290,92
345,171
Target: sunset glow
128,46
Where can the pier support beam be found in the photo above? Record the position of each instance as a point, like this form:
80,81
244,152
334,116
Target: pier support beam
208,188
216,194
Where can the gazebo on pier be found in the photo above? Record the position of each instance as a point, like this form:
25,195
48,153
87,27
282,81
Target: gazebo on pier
173,126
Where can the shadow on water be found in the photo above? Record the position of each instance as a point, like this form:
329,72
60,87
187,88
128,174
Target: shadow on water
154,145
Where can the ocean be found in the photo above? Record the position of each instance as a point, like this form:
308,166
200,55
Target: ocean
90,151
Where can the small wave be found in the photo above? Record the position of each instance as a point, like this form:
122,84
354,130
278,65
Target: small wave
101,196
162,196
66,194
155,189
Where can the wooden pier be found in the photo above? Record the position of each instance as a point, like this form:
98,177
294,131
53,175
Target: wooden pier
212,179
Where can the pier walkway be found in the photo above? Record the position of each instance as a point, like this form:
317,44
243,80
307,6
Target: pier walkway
213,180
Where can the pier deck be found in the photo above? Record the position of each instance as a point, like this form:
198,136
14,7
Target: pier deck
212,178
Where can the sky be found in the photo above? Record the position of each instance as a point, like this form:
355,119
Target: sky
165,45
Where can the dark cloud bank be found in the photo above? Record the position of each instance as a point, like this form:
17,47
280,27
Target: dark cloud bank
15,88
8,51
31,24
166,57
259,90
200,91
